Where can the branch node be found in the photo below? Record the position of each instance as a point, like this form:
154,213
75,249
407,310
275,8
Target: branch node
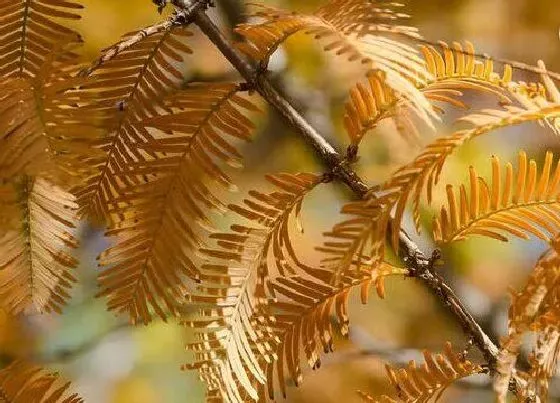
246,87
468,348
328,177
352,153
260,70
160,5
485,369
435,259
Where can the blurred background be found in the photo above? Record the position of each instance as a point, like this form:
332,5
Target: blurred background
111,362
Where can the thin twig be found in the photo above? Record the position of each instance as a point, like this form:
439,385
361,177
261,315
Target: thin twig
179,17
469,324
415,258
115,50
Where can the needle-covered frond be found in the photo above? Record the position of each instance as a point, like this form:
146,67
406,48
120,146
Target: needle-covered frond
22,382
452,71
363,17
360,239
456,68
129,88
35,264
337,19
30,30
528,311
233,347
37,118
357,242
129,40
409,181
303,307
22,140
353,29
545,355
426,383
163,198
521,203
368,105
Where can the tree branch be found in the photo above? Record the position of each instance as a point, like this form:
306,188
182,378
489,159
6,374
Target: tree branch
179,17
470,326
414,258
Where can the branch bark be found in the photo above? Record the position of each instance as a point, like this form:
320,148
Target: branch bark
181,16
414,258
112,52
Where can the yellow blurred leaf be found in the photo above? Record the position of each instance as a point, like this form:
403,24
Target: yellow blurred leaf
160,342
135,390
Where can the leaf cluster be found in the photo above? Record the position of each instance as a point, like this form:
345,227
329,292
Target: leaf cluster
128,144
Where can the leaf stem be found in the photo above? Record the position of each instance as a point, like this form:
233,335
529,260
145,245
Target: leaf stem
178,18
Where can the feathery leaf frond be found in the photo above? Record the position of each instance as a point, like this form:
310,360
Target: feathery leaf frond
528,307
21,139
30,32
366,17
357,243
545,356
38,115
34,261
232,348
521,204
451,72
129,88
159,217
427,383
350,28
22,382
424,172
302,308
357,18
455,67
128,41
410,180
368,105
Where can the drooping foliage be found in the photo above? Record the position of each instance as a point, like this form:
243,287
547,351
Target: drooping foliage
162,203
22,382
520,203
130,145
427,382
